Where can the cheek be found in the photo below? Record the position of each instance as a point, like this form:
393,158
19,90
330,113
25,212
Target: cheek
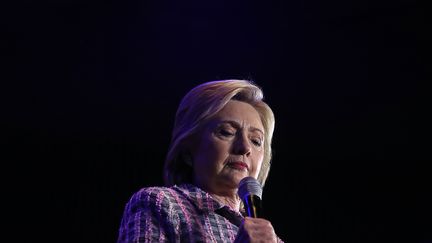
216,149
211,151
258,161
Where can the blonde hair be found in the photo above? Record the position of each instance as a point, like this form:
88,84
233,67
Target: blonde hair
198,106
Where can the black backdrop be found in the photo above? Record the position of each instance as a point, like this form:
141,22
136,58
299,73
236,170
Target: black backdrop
90,89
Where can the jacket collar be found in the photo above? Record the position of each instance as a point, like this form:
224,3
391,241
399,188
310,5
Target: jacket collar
202,200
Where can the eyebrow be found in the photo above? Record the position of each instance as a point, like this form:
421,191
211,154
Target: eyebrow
237,125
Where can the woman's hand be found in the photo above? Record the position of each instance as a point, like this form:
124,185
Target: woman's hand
256,230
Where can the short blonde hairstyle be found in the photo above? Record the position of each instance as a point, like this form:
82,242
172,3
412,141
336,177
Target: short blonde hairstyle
197,107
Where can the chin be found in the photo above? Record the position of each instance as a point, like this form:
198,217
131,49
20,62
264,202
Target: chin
234,177
239,177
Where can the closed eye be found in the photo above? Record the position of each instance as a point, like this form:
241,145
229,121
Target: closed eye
226,133
257,142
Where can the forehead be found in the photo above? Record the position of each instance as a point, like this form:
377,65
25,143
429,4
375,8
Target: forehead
240,112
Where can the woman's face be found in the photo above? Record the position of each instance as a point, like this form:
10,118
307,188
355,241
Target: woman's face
228,148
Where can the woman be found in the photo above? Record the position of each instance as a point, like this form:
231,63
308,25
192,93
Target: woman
222,134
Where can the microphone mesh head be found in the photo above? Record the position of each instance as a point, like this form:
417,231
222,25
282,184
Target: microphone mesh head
249,185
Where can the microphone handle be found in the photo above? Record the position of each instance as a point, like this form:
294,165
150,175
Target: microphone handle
253,205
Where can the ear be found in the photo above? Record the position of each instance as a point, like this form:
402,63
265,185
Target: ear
187,158
187,150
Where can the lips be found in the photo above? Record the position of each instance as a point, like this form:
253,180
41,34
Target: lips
238,165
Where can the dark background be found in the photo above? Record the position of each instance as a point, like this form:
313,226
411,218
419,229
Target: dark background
90,88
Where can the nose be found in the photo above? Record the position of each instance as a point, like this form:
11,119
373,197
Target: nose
242,145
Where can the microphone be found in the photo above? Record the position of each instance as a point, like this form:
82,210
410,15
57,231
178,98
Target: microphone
250,192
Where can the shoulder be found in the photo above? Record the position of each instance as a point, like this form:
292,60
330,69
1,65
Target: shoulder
148,214
147,193
153,196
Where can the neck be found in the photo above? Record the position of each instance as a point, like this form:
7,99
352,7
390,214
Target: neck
227,197
232,202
